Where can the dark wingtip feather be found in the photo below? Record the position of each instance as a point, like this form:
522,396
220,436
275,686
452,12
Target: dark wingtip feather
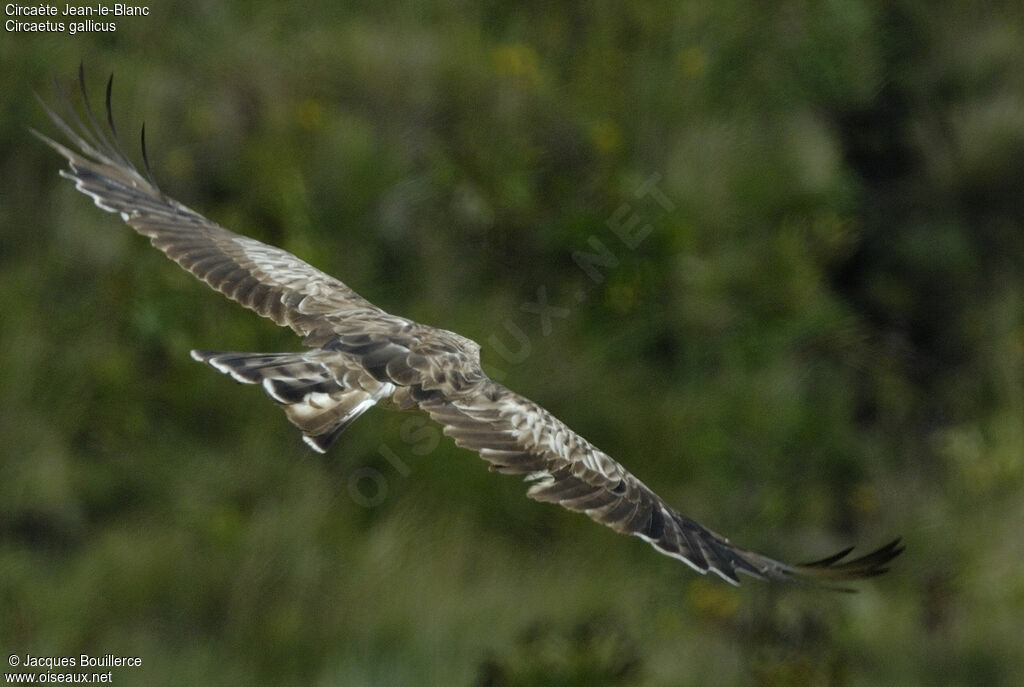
834,568
94,125
100,144
110,121
828,560
145,158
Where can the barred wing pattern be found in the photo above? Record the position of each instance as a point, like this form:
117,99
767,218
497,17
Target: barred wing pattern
358,356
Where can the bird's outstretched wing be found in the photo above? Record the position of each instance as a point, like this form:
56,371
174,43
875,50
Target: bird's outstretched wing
517,436
362,355
268,280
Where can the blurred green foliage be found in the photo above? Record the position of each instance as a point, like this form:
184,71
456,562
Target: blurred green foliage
822,341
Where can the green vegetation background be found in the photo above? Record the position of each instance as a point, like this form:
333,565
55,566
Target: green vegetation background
820,343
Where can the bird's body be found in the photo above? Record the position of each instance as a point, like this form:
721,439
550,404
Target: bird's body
358,355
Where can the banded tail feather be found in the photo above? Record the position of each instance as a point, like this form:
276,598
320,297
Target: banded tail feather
316,399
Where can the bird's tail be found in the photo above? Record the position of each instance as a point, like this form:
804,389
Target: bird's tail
315,398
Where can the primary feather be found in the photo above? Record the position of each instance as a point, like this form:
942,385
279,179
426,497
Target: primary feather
359,355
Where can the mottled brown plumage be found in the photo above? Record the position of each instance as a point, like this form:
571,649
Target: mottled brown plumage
358,356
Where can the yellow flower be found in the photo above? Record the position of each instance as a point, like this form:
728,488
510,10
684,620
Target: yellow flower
517,61
605,136
713,600
309,114
693,61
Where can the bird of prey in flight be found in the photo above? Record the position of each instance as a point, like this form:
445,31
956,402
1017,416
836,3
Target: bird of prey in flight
357,355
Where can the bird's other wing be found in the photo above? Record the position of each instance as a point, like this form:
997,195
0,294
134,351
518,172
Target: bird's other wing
517,436
268,280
